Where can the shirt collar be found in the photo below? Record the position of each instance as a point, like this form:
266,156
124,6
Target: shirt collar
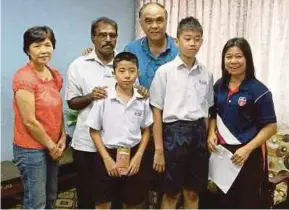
113,95
93,57
169,47
179,62
171,43
243,86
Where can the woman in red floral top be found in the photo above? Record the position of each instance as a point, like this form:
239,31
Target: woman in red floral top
39,135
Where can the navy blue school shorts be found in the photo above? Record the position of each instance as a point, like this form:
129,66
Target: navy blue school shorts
131,190
186,156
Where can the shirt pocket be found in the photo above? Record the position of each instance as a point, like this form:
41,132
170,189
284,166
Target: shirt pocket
201,91
135,117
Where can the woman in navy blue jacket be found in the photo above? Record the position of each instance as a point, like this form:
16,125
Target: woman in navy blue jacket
242,119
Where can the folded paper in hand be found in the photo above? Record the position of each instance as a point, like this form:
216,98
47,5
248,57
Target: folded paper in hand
222,171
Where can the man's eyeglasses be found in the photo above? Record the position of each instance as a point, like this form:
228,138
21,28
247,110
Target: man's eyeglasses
103,36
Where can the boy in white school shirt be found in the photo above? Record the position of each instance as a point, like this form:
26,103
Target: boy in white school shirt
119,127
181,95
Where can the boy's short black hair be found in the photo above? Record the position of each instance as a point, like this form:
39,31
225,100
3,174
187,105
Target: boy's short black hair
37,34
125,56
107,20
189,23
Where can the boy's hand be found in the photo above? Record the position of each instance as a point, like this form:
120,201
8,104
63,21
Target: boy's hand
111,167
98,93
212,142
142,90
86,51
159,161
134,165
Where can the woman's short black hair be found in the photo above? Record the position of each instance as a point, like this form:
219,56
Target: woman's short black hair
246,50
37,34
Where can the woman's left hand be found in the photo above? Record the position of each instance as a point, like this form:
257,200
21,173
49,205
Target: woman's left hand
61,144
241,155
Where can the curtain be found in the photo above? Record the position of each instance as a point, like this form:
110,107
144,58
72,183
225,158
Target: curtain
264,23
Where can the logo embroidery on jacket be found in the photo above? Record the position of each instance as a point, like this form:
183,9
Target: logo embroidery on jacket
242,101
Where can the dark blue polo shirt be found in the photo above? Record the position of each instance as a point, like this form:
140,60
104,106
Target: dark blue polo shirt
148,64
245,112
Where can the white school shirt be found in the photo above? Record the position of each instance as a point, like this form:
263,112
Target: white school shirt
182,94
84,74
120,124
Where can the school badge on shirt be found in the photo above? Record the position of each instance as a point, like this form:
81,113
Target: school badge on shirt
138,113
242,101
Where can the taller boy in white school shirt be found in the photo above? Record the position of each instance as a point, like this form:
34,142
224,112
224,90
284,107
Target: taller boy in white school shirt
181,94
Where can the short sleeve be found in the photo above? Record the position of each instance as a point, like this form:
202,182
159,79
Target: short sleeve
213,109
157,89
148,115
24,80
265,109
73,87
95,116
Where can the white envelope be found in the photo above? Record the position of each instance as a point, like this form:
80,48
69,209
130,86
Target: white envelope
221,169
